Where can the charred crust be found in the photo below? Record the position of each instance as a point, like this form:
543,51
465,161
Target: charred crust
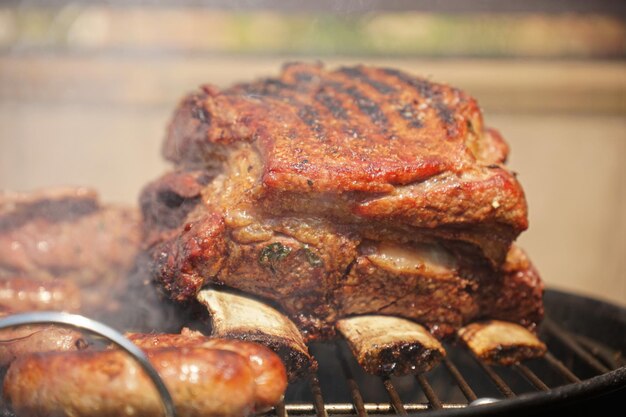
410,114
310,116
332,104
297,362
402,359
359,74
509,355
367,106
200,113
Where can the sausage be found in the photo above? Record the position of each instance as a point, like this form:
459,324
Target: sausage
25,294
24,340
202,382
269,372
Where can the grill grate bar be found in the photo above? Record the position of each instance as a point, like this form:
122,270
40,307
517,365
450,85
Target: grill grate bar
531,376
559,366
433,399
502,386
613,359
460,380
374,408
357,398
572,345
396,402
318,400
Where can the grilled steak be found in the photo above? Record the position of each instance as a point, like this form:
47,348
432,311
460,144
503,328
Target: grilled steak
336,193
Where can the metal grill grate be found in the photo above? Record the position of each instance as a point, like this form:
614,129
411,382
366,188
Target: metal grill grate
340,387
579,363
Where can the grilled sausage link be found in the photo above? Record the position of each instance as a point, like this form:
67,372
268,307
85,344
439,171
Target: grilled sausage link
269,372
202,382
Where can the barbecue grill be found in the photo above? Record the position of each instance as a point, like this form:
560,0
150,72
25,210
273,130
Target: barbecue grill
584,367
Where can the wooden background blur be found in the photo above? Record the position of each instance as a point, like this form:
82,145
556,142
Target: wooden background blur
86,91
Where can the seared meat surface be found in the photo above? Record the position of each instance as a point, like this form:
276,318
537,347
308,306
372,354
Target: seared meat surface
336,193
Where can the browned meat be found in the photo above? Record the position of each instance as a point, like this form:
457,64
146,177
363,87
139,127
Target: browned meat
428,284
24,294
203,382
359,144
66,235
334,193
269,372
501,342
25,340
386,345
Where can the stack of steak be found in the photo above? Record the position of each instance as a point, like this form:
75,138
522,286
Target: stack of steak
336,193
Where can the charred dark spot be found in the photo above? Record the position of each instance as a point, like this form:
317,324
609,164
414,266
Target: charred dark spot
423,87
170,199
447,117
165,208
444,112
332,104
367,107
493,166
310,116
410,114
359,74
201,114
310,183
301,164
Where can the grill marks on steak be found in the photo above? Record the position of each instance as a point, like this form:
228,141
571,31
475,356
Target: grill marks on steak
306,174
351,113
359,145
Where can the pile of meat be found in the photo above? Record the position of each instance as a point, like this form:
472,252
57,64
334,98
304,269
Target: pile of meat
360,201
61,250
331,194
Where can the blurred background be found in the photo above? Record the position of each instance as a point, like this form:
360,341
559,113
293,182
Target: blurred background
87,88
